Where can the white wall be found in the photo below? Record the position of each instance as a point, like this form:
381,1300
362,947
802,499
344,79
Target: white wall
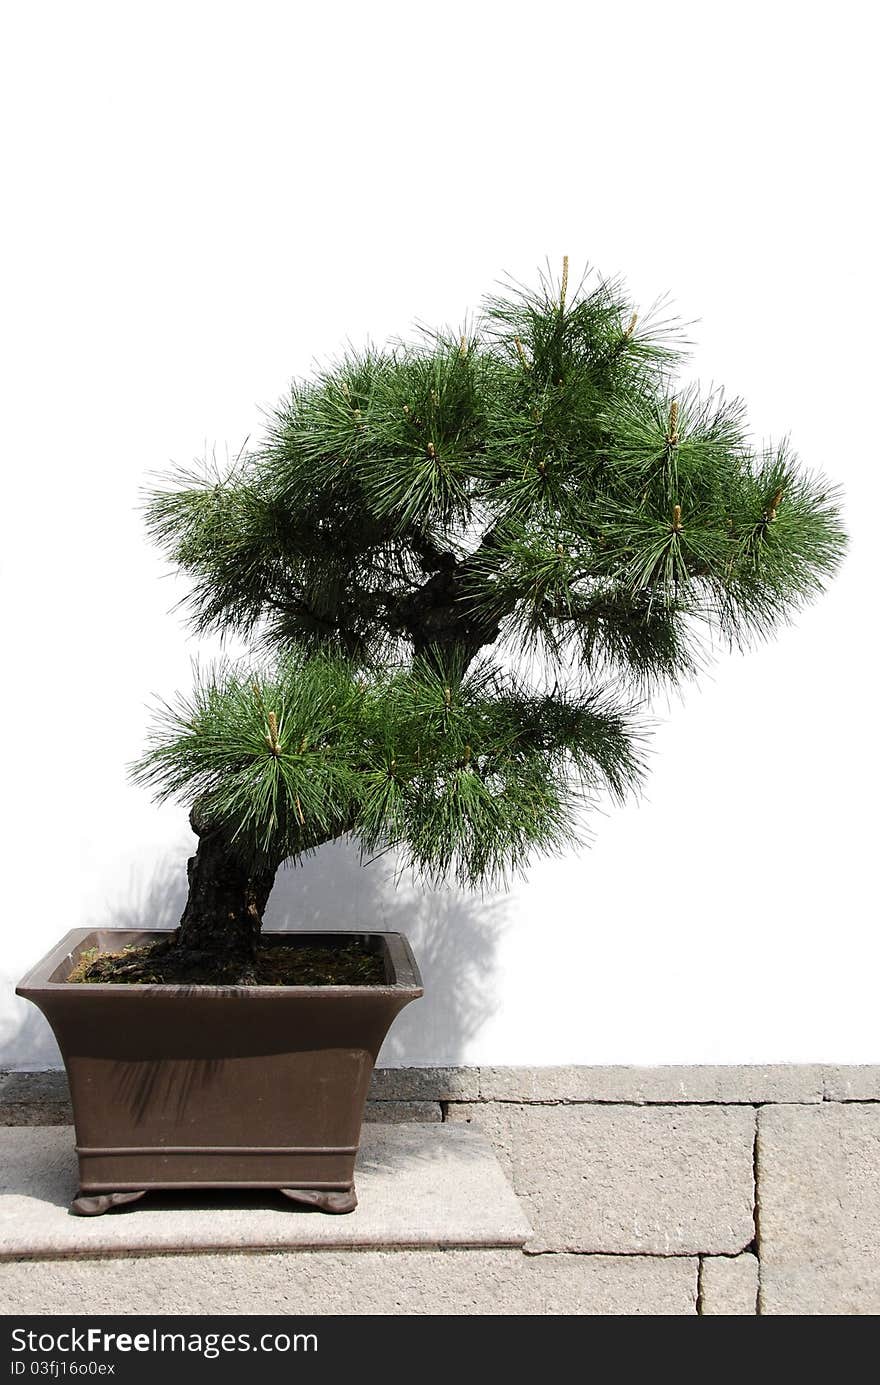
203,197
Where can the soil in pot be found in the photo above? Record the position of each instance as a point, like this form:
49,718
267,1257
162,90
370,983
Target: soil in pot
274,964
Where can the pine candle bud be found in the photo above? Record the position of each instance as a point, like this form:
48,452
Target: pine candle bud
672,435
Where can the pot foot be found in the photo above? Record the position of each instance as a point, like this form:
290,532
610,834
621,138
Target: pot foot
96,1204
324,1202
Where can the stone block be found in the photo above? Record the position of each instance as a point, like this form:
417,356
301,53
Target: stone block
35,1098
396,1112
425,1084
654,1180
853,1083
819,1209
729,1286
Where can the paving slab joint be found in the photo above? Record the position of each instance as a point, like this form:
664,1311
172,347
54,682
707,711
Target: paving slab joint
753,1248
758,1246
537,1250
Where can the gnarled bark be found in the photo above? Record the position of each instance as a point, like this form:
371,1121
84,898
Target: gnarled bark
227,898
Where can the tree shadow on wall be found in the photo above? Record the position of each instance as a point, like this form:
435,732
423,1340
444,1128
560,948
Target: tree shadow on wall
26,1041
154,898
453,935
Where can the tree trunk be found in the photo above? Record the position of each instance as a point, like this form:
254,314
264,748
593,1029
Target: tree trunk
441,624
227,899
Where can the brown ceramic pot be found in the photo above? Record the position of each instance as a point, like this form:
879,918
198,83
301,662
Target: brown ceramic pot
219,1086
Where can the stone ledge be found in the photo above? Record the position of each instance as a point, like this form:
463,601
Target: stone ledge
365,1282
49,1103
42,1098
418,1185
32,1098
670,1085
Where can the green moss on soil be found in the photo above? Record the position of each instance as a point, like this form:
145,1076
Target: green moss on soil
276,964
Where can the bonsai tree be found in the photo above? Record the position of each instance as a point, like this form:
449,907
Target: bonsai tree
462,565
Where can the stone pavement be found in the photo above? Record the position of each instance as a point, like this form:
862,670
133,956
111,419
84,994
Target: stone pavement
673,1190
418,1185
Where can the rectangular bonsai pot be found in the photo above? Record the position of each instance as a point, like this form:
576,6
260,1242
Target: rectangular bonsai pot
219,1086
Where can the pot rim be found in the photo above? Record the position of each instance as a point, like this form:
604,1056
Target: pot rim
37,981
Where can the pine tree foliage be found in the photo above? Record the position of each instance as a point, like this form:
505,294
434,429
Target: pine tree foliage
466,777
539,488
